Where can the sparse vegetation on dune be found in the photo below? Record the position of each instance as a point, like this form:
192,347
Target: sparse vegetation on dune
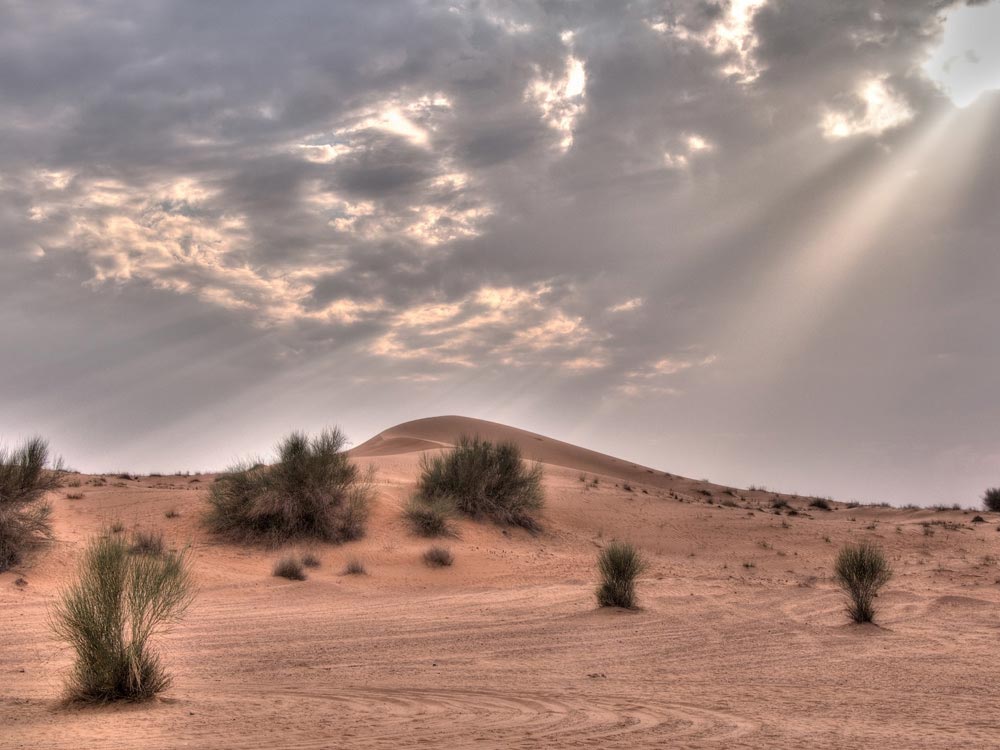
861,570
118,603
619,564
438,557
429,516
354,567
484,479
289,567
147,542
25,477
313,491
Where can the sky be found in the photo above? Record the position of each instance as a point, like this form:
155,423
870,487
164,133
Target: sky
753,241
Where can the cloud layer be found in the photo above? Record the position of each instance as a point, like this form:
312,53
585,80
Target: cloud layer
755,232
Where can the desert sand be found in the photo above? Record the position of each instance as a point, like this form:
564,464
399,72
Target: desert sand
741,641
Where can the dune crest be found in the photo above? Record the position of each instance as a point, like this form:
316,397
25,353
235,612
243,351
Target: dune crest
433,433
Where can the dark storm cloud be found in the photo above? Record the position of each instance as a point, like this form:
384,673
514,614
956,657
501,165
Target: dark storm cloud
259,210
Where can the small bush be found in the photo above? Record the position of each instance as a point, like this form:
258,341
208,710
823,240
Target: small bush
978,519
778,503
820,504
25,477
354,567
481,478
619,564
429,517
438,557
313,492
311,560
861,570
991,499
289,567
147,543
118,603
74,496
172,513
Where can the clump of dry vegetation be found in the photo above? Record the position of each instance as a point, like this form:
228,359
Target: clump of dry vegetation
438,557
484,479
619,564
313,491
861,570
429,516
119,602
147,542
289,567
25,478
354,567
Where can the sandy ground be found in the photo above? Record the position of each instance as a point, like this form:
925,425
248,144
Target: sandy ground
741,641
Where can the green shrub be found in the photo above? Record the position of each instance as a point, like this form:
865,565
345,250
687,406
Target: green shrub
480,478
118,603
619,565
861,570
25,477
439,557
290,568
991,499
313,491
429,517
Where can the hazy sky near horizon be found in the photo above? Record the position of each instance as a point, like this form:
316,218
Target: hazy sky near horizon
753,241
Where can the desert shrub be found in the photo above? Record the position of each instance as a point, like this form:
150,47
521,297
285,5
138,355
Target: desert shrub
313,491
147,543
480,478
619,565
74,496
991,499
438,557
779,503
311,560
978,519
354,567
429,516
820,504
25,477
861,570
172,513
289,567
118,603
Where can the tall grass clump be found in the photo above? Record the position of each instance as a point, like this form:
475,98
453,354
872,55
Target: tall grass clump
480,478
861,570
991,499
109,616
313,491
25,477
619,565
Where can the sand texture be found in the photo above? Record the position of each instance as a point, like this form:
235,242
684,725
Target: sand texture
741,641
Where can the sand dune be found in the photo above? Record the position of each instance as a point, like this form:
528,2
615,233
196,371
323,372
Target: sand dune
741,641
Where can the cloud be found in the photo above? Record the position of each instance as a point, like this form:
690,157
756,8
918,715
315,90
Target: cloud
532,205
